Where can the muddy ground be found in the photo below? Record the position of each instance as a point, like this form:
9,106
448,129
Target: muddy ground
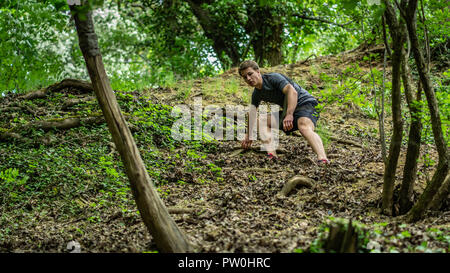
245,214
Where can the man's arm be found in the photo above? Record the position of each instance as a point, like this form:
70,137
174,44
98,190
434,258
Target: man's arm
289,91
291,94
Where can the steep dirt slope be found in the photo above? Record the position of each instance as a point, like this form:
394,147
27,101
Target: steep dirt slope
244,212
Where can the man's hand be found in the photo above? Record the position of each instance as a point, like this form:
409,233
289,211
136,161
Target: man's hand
246,143
288,122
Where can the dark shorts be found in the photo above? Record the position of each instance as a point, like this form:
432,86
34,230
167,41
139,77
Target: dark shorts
305,110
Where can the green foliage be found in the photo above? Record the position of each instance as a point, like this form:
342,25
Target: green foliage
30,32
155,118
324,133
39,46
440,235
140,46
184,90
12,184
442,92
411,241
148,43
83,164
221,89
317,246
352,87
438,28
169,39
378,237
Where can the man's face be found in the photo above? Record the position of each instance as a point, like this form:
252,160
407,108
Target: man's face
252,77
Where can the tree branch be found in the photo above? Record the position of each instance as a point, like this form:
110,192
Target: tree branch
306,17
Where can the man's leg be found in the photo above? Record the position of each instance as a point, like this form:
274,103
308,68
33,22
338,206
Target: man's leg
306,128
267,121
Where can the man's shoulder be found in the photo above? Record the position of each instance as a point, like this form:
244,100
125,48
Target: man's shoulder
273,75
275,81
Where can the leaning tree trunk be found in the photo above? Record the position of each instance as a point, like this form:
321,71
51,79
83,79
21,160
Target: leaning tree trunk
224,42
266,27
432,188
441,195
413,150
398,36
167,236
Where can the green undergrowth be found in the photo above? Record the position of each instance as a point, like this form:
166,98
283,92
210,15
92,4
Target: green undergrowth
386,237
80,173
359,92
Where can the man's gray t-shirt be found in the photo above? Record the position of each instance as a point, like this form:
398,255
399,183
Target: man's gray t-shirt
272,91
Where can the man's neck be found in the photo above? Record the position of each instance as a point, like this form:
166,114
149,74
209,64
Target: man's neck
259,86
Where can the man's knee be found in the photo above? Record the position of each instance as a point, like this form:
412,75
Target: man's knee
305,126
304,129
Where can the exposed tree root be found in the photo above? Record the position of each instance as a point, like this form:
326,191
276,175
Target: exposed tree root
62,124
10,136
16,107
82,86
238,150
174,210
73,102
55,124
10,109
41,93
293,182
81,89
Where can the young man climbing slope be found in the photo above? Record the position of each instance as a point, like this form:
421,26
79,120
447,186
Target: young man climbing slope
298,109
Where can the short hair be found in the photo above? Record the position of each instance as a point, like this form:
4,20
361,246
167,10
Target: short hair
246,64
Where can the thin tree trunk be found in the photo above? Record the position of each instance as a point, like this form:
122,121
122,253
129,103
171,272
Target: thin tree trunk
398,37
385,40
427,40
418,210
413,150
425,200
440,196
380,113
167,236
